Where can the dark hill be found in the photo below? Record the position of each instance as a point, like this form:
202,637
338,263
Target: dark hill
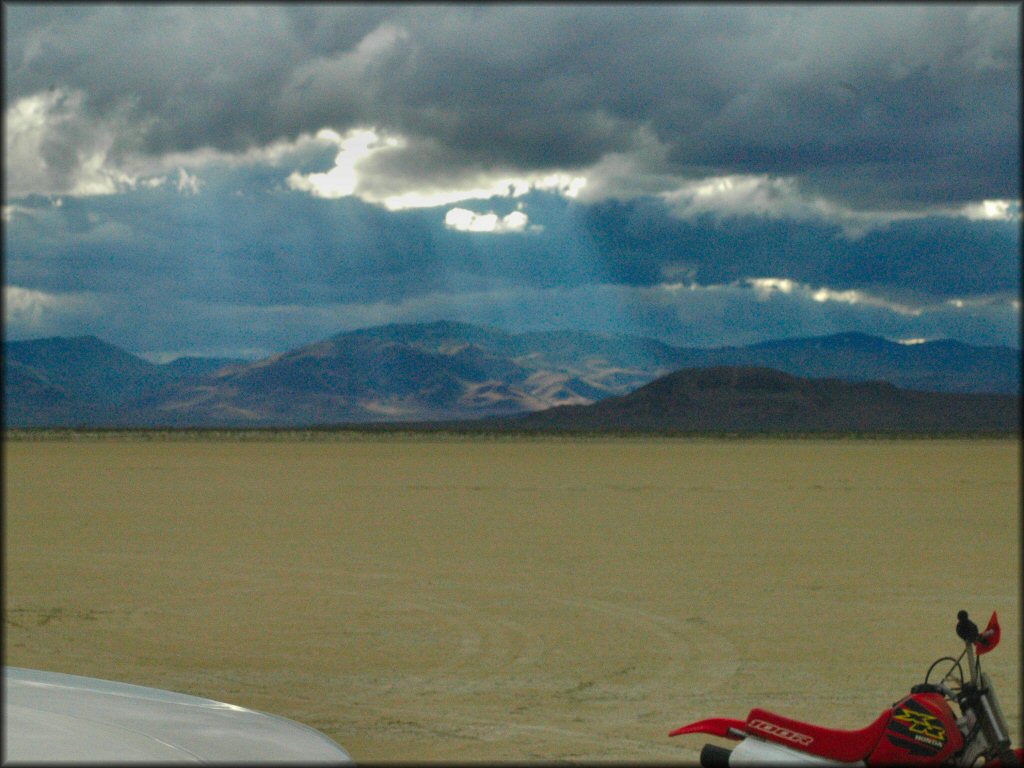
934,366
31,398
86,368
764,400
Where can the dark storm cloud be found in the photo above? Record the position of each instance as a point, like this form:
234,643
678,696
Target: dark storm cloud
880,105
274,246
751,171
252,248
641,243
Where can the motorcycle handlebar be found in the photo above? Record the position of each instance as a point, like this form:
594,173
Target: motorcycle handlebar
967,630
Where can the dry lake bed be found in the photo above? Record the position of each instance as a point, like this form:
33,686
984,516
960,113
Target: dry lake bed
474,599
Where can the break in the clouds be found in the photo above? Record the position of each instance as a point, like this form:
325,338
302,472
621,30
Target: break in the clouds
249,177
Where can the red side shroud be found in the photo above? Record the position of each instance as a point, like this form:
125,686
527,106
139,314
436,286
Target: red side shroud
842,746
830,743
922,730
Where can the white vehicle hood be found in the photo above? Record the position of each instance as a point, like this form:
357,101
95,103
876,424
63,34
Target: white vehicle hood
52,717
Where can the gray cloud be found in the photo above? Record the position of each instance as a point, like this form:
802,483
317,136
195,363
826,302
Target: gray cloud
706,316
163,164
879,105
280,256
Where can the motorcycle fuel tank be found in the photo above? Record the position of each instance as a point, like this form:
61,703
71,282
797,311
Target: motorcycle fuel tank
922,730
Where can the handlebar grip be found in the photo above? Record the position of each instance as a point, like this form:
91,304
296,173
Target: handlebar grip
966,629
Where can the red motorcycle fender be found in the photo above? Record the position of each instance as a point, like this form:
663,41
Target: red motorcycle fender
726,727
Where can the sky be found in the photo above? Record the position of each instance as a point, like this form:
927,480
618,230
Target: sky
239,180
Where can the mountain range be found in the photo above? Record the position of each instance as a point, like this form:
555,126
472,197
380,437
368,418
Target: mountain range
442,371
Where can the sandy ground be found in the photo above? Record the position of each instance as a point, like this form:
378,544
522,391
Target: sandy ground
483,600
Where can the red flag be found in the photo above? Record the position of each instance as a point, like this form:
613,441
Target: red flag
989,639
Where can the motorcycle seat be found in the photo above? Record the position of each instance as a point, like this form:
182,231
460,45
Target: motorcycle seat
839,745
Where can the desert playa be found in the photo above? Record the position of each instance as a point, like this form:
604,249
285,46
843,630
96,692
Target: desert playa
478,599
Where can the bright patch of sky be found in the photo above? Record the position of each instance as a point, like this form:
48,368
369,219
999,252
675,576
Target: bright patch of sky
36,154
464,220
342,180
765,287
779,198
993,210
353,175
30,313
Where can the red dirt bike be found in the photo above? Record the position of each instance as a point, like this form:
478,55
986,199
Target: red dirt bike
922,728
